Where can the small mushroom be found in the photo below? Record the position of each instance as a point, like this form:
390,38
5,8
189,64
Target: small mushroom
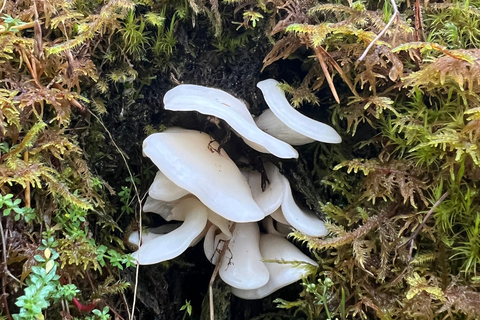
242,265
218,103
168,246
286,114
282,259
301,219
151,233
189,159
271,198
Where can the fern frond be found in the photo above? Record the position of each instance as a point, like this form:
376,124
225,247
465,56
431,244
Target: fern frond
335,8
317,244
27,141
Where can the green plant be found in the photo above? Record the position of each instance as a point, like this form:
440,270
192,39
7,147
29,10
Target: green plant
100,315
43,285
24,213
187,308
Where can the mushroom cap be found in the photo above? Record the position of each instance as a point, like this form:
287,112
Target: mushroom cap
213,243
242,266
188,159
151,233
271,198
282,273
303,220
164,189
218,103
270,123
168,246
278,103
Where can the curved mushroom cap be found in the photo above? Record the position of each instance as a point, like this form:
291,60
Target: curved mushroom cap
242,266
218,103
168,246
213,243
269,199
188,159
283,272
164,189
278,103
151,233
270,123
303,220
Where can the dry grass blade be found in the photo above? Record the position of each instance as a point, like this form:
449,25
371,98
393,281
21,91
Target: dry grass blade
319,54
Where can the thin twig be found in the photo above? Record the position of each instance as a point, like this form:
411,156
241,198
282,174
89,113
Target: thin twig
323,64
414,235
3,6
395,15
215,272
27,187
4,280
420,227
137,194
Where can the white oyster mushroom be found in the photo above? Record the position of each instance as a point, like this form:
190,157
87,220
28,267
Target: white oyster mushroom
167,212
213,243
218,103
164,189
242,265
271,198
188,158
278,104
279,255
151,233
168,246
270,123
303,220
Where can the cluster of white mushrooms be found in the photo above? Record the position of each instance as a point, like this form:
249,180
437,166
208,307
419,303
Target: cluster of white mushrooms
199,184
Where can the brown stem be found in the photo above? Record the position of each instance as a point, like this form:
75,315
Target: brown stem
27,187
420,227
320,58
215,272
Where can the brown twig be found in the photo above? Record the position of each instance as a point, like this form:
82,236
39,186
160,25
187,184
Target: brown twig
215,272
4,280
395,15
319,54
137,194
411,240
27,187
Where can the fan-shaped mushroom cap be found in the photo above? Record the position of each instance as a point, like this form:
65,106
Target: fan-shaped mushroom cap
271,198
188,159
270,123
278,103
218,103
242,265
164,189
303,220
282,273
151,233
168,246
213,243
